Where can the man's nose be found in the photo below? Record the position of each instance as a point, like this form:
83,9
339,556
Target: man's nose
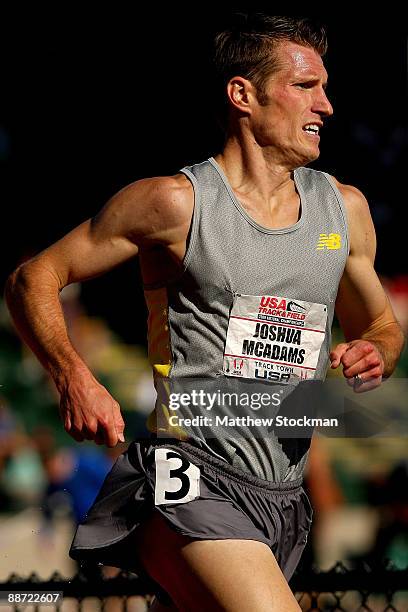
322,104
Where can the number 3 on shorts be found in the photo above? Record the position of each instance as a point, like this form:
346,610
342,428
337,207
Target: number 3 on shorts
177,480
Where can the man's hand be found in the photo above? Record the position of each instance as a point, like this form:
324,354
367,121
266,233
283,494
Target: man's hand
361,359
89,412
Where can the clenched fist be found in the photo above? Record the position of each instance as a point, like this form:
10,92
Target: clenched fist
88,411
361,359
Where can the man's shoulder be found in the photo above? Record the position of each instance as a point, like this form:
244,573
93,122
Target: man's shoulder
162,191
353,198
156,203
360,223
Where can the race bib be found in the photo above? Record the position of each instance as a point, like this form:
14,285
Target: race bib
274,338
177,480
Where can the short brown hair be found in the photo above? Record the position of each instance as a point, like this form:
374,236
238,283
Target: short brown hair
246,47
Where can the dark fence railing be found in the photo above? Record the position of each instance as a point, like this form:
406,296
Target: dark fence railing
351,587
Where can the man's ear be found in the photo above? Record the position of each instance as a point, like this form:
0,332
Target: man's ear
240,93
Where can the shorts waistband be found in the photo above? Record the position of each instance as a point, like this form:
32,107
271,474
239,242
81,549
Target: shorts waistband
225,468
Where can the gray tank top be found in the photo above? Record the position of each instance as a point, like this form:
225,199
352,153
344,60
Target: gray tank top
250,303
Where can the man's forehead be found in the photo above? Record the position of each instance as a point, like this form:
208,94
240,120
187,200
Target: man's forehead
297,60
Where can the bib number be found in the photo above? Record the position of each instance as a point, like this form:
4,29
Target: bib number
177,480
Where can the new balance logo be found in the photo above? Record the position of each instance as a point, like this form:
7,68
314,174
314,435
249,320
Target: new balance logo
328,241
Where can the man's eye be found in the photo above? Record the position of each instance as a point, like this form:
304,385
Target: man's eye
304,85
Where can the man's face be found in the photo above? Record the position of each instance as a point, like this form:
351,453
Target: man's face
296,105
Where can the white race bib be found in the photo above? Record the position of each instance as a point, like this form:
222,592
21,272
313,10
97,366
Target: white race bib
274,338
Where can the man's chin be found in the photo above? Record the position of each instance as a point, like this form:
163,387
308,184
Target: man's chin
310,156
303,156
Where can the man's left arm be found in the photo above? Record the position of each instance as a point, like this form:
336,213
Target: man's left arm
374,339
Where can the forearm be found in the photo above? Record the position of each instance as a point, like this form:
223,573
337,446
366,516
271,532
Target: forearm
389,339
32,295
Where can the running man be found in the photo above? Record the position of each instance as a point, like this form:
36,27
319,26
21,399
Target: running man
220,523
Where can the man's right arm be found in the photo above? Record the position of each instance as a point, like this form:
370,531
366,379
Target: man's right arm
146,213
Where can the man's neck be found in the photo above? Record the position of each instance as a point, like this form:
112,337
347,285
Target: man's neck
264,187
255,173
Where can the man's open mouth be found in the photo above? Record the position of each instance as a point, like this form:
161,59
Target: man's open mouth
312,128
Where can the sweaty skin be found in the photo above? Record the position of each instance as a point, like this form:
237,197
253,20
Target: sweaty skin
266,141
